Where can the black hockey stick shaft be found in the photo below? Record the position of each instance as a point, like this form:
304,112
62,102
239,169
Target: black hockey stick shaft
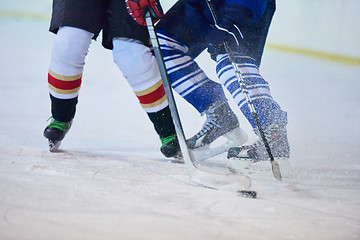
170,96
274,164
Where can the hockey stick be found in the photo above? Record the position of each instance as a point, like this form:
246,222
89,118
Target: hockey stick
230,181
274,164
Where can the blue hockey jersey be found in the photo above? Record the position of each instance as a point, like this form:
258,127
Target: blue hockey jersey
257,7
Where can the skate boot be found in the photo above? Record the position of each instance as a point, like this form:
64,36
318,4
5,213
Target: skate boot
220,131
170,147
241,158
276,136
55,132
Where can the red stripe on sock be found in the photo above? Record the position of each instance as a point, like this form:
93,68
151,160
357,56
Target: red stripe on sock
153,96
64,85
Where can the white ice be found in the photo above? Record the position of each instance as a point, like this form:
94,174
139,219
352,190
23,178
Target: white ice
111,182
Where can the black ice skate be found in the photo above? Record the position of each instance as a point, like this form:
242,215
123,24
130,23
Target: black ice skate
220,131
242,157
170,147
55,132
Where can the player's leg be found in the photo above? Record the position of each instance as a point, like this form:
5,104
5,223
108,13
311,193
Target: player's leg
64,79
134,58
75,24
139,67
181,36
272,118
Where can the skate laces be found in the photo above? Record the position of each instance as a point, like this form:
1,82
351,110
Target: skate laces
208,125
210,122
166,140
63,126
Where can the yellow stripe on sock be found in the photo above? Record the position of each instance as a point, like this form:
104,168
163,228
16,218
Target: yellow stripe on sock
154,104
60,91
65,78
150,89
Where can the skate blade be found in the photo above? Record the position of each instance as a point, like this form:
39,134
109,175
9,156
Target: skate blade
54,146
178,160
233,138
239,165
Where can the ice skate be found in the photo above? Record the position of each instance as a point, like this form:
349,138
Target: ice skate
220,132
170,147
240,158
55,133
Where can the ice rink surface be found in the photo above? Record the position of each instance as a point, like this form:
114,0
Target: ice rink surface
110,180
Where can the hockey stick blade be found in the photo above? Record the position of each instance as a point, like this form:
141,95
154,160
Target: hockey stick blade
231,182
276,170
